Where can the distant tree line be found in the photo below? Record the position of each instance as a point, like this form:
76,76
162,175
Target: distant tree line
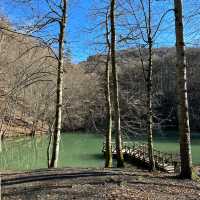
132,87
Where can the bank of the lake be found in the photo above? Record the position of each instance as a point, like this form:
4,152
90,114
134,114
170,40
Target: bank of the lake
76,150
95,184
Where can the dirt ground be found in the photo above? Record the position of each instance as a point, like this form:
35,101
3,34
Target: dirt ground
89,184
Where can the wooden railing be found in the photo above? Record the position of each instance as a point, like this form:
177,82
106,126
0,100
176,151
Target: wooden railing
163,160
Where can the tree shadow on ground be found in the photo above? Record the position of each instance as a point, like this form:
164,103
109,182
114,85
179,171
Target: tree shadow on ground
53,176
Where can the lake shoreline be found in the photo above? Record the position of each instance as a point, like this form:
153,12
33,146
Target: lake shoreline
160,132
76,150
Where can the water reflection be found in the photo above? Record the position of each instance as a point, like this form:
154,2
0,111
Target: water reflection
77,150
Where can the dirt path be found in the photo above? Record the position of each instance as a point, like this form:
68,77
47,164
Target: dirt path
88,184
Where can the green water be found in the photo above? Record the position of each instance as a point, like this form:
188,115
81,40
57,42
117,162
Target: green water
76,150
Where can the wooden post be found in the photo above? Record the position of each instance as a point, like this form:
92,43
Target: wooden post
172,158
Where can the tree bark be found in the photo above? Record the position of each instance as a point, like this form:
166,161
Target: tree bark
150,111
149,95
58,117
108,153
183,114
120,159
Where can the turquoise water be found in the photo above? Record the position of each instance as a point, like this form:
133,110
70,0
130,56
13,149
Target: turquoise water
76,150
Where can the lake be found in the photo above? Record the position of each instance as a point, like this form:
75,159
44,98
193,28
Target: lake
76,150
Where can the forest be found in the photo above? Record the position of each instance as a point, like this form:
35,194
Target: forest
124,71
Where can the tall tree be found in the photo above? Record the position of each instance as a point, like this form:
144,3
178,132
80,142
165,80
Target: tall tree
120,159
183,114
58,116
149,91
108,154
146,29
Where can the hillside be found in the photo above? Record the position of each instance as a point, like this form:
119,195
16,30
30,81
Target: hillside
132,86
28,80
28,87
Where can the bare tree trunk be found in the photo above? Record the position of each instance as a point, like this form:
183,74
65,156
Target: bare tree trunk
183,115
120,159
108,153
58,117
149,96
1,134
51,125
150,112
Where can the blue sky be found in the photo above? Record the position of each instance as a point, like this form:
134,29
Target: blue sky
81,42
78,22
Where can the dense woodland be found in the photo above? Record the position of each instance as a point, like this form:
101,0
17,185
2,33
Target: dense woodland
84,98
131,86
